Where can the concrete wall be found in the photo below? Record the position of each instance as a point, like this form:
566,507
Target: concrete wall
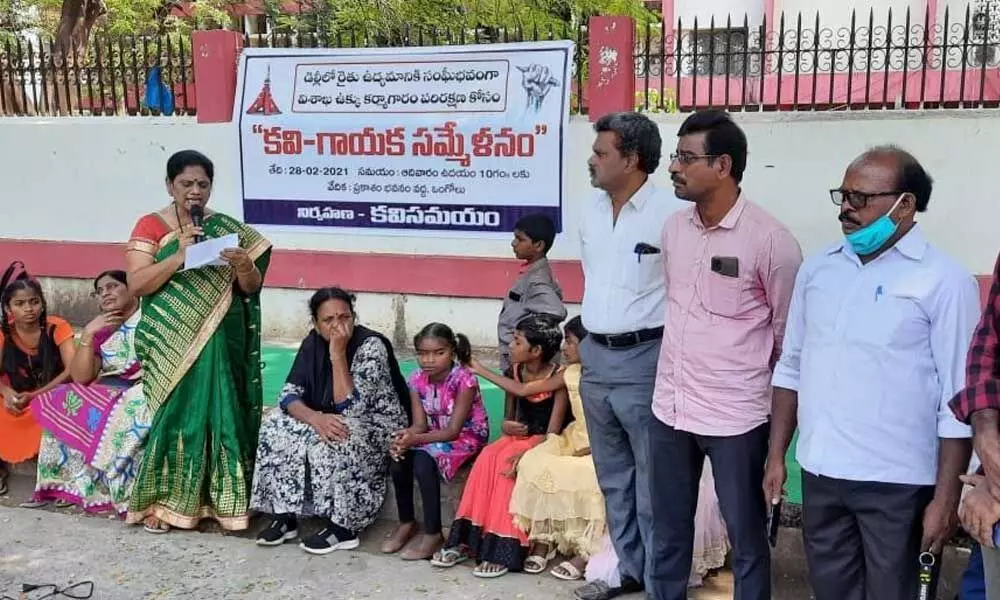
88,180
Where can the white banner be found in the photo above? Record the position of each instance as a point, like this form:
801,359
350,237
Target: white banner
444,139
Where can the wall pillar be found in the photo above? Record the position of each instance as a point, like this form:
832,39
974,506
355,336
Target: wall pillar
215,54
611,74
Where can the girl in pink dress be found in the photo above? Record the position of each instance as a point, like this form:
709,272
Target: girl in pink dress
449,428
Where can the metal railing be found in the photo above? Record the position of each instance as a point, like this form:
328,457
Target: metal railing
893,61
114,74
867,61
111,77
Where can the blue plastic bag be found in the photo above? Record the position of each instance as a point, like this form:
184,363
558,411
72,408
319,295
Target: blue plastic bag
158,96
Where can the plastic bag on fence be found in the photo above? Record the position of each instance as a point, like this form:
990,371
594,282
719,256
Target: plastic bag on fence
158,96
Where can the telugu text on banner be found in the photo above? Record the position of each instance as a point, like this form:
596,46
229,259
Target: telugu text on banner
442,139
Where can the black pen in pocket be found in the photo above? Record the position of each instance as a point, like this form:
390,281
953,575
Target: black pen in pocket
644,248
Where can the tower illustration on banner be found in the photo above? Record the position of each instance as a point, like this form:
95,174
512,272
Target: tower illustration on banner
264,104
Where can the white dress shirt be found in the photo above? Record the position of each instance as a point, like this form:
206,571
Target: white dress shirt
624,291
876,352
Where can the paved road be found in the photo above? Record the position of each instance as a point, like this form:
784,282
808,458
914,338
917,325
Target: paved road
50,546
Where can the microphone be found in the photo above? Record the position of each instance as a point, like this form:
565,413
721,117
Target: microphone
197,212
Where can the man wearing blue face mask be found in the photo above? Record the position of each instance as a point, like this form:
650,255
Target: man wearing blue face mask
875,345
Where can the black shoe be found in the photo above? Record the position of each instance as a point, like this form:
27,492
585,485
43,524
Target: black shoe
599,590
278,532
326,541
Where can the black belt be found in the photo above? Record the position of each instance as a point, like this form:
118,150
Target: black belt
627,340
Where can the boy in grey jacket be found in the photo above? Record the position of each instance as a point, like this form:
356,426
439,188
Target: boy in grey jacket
536,290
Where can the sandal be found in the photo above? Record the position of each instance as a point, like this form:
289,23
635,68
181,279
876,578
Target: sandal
448,557
159,529
3,483
536,563
566,571
482,574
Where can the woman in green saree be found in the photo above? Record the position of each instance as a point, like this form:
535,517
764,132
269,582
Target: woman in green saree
199,344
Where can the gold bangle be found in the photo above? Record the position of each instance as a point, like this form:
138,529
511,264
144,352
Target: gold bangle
82,343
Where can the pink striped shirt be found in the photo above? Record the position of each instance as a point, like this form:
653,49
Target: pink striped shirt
724,321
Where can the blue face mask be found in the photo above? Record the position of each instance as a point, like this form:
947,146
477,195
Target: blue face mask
869,239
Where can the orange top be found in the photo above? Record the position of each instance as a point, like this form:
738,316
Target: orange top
20,435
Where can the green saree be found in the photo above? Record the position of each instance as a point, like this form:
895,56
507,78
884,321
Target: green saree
199,343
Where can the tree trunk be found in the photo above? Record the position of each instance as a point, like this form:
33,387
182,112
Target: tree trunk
76,20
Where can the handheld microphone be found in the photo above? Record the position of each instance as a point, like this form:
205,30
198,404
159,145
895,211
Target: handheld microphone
197,212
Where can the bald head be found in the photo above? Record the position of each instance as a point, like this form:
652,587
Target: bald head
900,170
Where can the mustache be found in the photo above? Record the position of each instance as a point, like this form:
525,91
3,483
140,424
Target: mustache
677,179
846,218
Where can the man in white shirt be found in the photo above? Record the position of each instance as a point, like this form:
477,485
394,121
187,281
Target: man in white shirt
623,306
874,348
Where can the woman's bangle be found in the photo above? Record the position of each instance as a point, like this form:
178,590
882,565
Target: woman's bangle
83,343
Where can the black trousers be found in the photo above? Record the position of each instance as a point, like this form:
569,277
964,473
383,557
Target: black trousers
419,465
738,465
862,538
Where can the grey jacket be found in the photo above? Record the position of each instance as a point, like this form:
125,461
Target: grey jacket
534,292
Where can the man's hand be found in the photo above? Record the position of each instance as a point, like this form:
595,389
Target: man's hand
979,511
939,524
774,480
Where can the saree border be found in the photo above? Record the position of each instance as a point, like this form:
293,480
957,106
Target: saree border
142,246
179,521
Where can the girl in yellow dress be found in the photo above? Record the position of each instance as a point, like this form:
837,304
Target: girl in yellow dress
557,500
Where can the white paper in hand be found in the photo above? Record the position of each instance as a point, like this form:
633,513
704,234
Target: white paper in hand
207,253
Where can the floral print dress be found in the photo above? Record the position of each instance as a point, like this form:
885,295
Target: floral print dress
92,463
346,481
438,401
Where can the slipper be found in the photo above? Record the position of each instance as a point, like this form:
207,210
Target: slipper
568,572
158,530
535,564
3,484
34,504
449,557
489,574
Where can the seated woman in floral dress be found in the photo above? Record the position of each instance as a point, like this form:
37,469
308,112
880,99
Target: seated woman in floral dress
94,429
325,452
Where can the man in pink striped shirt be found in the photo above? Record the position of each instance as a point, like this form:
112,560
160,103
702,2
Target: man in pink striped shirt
730,269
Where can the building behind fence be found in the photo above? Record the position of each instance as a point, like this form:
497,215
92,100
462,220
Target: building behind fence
878,61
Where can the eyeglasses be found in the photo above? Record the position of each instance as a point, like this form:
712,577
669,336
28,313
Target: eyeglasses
110,287
687,159
857,200
80,591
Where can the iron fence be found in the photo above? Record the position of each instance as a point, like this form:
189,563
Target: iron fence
130,75
115,75
867,61
893,61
